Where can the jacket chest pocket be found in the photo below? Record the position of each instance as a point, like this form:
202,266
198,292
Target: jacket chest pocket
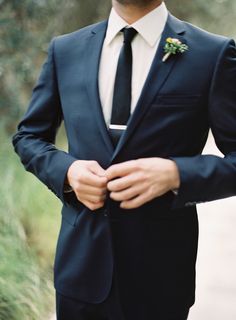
177,100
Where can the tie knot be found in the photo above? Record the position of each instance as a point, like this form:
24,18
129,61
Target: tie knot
129,34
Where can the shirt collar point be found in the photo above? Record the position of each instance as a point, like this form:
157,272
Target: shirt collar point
151,41
111,36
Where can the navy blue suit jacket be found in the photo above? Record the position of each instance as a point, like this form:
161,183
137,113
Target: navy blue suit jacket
153,248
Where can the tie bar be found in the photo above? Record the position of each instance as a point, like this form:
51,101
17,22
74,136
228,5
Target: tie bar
117,127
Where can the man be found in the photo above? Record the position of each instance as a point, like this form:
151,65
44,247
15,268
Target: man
136,125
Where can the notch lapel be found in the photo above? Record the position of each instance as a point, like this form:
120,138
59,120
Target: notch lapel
94,48
157,76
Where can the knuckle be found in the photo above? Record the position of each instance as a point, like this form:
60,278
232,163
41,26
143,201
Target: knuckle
80,175
98,205
92,206
93,163
77,186
141,176
139,164
79,198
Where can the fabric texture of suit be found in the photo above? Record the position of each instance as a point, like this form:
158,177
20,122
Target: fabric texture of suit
153,247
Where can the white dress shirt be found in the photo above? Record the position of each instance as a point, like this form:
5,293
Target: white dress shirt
144,47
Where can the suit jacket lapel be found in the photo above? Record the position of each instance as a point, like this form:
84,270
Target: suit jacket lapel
94,48
158,75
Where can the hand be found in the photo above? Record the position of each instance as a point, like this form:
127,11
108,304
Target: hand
88,181
136,182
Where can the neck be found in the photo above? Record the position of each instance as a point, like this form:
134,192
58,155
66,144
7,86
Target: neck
133,12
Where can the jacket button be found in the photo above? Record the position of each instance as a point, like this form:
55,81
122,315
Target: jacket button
188,204
105,212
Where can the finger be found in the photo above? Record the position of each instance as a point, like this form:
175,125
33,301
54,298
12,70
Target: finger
88,189
121,169
127,194
92,179
136,202
92,206
97,169
92,198
123,183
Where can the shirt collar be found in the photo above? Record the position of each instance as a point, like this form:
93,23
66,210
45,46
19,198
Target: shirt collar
150,27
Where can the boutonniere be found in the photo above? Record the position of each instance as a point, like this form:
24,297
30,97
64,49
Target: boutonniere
173,46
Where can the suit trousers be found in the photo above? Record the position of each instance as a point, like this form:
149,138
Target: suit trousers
110,309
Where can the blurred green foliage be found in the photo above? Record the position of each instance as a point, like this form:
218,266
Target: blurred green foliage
28,220
28,227
26,27
216,16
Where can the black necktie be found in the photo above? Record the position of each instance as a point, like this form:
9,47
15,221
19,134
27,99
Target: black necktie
122,89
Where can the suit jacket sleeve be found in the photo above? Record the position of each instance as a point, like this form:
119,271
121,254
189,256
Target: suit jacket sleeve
208,177
34,141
